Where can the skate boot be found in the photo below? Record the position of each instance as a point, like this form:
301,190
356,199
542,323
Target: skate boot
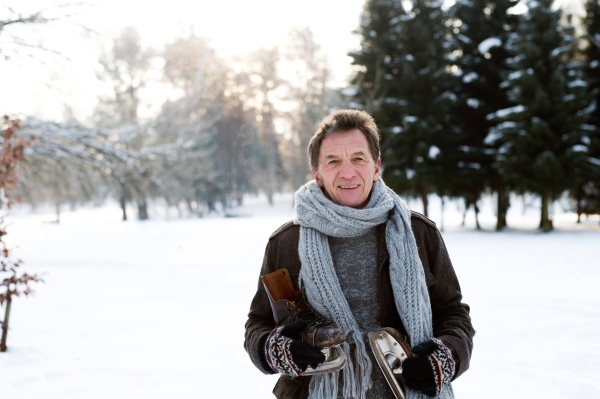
391,350
289,305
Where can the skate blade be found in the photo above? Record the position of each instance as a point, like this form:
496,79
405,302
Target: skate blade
335,359
390,355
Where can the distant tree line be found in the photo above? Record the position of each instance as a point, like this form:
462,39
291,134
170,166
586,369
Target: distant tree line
227,127
475,99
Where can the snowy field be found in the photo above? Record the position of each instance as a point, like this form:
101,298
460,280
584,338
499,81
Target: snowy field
156,309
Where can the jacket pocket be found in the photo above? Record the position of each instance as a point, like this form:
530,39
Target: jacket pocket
289,388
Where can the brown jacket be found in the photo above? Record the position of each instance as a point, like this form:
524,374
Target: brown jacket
451,321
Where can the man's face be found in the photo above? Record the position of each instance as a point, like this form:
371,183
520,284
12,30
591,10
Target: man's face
347,169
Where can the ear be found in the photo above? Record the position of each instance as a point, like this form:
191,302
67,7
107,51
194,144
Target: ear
377,169
317,177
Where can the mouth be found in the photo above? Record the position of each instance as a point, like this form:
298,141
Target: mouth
348,187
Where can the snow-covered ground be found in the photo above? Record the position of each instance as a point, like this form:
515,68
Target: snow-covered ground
156,309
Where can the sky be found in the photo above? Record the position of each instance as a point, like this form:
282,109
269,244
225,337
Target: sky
45,84
233,27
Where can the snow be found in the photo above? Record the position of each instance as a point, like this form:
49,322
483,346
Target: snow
488,43
156,309
470,77
410,119
516,59
463,38
351,90
392,100
579,148
594,161
577,83
506,125
492,136
590,108
558,50
473,102
594,64
396,129
410,57
502,113
448,95
433,152
515,75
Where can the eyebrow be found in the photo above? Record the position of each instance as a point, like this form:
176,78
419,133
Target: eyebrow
331,156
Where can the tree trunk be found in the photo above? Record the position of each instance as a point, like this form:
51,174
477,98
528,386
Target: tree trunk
424,193
57,212
476,215
124,206
271,154
545,221
142,209
579,195
502,206
5,325
442,219
467,205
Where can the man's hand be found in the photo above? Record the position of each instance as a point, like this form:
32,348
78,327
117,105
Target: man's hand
286,354
434,367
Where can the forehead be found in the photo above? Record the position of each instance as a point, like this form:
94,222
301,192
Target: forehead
345,143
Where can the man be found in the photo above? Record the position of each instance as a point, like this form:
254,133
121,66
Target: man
364,262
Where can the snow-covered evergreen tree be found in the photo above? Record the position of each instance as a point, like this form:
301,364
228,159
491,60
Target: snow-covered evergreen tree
541,138
404,83
586,193
481,30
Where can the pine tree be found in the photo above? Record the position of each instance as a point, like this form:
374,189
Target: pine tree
404,84
540,138
482,27
587,190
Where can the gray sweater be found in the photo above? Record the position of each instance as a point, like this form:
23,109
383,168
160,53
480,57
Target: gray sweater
355,262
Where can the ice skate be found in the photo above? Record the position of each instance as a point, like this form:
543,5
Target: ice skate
390,351
289,305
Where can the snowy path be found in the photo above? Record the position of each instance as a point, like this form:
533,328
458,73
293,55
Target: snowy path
157,309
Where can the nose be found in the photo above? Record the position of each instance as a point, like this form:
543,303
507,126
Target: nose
347,170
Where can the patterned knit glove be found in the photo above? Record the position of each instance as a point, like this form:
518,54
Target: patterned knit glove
434,367
289,356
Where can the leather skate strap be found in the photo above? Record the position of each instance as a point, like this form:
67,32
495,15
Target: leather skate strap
279,286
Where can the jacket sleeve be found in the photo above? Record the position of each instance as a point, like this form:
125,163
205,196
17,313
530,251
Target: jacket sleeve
260,319
451,320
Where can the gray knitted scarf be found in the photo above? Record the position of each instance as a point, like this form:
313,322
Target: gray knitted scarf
318,218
